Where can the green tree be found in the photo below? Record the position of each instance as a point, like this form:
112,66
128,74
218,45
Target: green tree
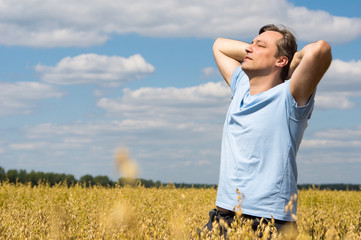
70,180
87,180
35,177
12,175
22,176
2,174
103,181
146,183
158,184
50,178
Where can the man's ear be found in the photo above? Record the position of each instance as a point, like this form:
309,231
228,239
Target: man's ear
281,61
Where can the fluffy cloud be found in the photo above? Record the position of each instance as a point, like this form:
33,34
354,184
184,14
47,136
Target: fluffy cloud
164,150
328,100
342,76
171,131
344,141
331,156
85,23
341,84
96,69
200,103
168,130
20,97
209,72
341,134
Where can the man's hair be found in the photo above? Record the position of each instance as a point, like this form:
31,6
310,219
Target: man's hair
287,45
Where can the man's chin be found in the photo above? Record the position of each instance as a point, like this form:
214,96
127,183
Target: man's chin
247,71
245,68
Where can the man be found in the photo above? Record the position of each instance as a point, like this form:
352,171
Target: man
265,121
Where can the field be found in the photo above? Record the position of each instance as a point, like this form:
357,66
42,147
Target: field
43,212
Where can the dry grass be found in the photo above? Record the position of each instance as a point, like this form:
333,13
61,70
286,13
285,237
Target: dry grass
44,212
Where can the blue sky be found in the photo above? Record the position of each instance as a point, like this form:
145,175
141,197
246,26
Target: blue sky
80,79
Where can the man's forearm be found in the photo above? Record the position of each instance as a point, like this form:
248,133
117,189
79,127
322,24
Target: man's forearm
231,48
308,49
294,64
228,54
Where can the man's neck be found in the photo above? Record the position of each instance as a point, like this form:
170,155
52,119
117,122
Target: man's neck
259,84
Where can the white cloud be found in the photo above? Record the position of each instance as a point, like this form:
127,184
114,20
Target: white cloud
352,68
82,132
341,134
20,97
338,145
342,76
27,146
209,72
168,130
99,93
331,156
163,127
324,25
96,69
340,85
85,23
324,143
200,103
155,144
335,100
69,142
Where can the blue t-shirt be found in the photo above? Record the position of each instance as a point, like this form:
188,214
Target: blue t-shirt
261,136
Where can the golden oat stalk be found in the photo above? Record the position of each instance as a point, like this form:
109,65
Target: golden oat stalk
126,166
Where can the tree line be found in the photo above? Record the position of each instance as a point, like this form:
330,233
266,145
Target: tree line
35,178
337,186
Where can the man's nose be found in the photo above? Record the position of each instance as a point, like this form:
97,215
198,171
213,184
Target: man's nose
249,49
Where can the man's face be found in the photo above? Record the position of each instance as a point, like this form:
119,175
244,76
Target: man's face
261,54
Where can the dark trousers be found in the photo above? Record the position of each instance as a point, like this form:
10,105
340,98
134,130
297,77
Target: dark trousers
228,218
278,224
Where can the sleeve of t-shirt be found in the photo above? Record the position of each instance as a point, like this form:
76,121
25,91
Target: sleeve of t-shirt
235,79
299,113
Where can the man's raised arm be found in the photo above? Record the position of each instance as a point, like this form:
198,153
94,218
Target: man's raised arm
228,54
307,68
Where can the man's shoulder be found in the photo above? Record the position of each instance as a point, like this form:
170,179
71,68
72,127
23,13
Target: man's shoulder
238,77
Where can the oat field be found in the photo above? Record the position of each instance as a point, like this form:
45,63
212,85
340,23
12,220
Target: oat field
43,212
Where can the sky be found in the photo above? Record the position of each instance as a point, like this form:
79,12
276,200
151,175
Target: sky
81,79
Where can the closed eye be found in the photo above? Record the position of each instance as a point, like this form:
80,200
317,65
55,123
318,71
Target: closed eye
259,43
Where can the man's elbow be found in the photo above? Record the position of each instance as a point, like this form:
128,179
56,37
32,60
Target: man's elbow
323,51
216,44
